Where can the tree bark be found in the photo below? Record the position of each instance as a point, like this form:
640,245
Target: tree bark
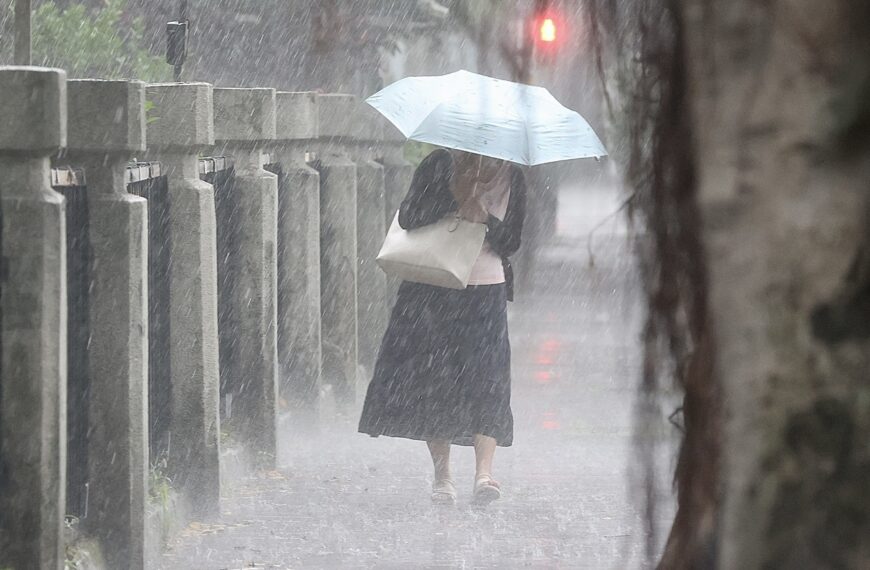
785,225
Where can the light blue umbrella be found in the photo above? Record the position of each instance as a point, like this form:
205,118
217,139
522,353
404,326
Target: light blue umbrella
466,111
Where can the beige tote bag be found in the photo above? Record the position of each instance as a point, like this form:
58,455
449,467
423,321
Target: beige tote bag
440,254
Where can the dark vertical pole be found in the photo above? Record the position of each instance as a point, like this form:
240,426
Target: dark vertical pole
326,33
539,189
78,332
23,44
183,19
523,72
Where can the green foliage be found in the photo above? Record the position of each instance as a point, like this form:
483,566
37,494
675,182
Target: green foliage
82,553
94,43
159,484
149,113
160,491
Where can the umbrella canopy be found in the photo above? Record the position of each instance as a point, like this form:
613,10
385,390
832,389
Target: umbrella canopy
466,111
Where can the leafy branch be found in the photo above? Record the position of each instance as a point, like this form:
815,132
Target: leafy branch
95,43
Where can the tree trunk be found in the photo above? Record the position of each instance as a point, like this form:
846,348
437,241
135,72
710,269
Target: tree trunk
785,225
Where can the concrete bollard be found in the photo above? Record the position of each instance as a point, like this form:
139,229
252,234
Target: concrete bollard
398,173
181,124
338,249
299,349
244,123
33,367
106,127
363,141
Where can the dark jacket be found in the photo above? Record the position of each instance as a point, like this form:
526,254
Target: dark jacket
429,199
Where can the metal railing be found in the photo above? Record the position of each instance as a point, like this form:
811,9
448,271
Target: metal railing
70,182
219,172
212,164
147,180
144,179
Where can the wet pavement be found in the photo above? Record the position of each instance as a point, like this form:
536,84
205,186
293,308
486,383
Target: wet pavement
344,500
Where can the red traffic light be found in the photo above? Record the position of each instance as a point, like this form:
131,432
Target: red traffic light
547,30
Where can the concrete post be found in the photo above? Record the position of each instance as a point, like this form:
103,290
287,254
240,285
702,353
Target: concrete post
299,349
363,141
33,365
106,126
398,173
181,124
244,123
338,249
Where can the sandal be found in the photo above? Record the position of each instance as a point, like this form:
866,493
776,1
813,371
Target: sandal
444,492
486,490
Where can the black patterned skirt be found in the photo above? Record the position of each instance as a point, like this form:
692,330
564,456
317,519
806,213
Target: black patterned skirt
443,370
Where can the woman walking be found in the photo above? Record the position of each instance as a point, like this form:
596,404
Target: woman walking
443,372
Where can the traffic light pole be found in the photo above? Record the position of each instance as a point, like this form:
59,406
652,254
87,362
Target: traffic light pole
23,44
176,40
182,17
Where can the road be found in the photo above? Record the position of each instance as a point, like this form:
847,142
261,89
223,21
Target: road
344,500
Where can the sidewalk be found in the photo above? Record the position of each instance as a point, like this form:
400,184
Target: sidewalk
344,500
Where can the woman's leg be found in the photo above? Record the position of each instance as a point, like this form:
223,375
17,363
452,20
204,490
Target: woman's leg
440,451
443,489
484,450
486,489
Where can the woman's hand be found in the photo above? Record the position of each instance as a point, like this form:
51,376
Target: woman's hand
473,211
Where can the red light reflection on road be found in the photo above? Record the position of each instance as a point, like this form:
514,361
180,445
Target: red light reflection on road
543,376
551,345
550,422
547,352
